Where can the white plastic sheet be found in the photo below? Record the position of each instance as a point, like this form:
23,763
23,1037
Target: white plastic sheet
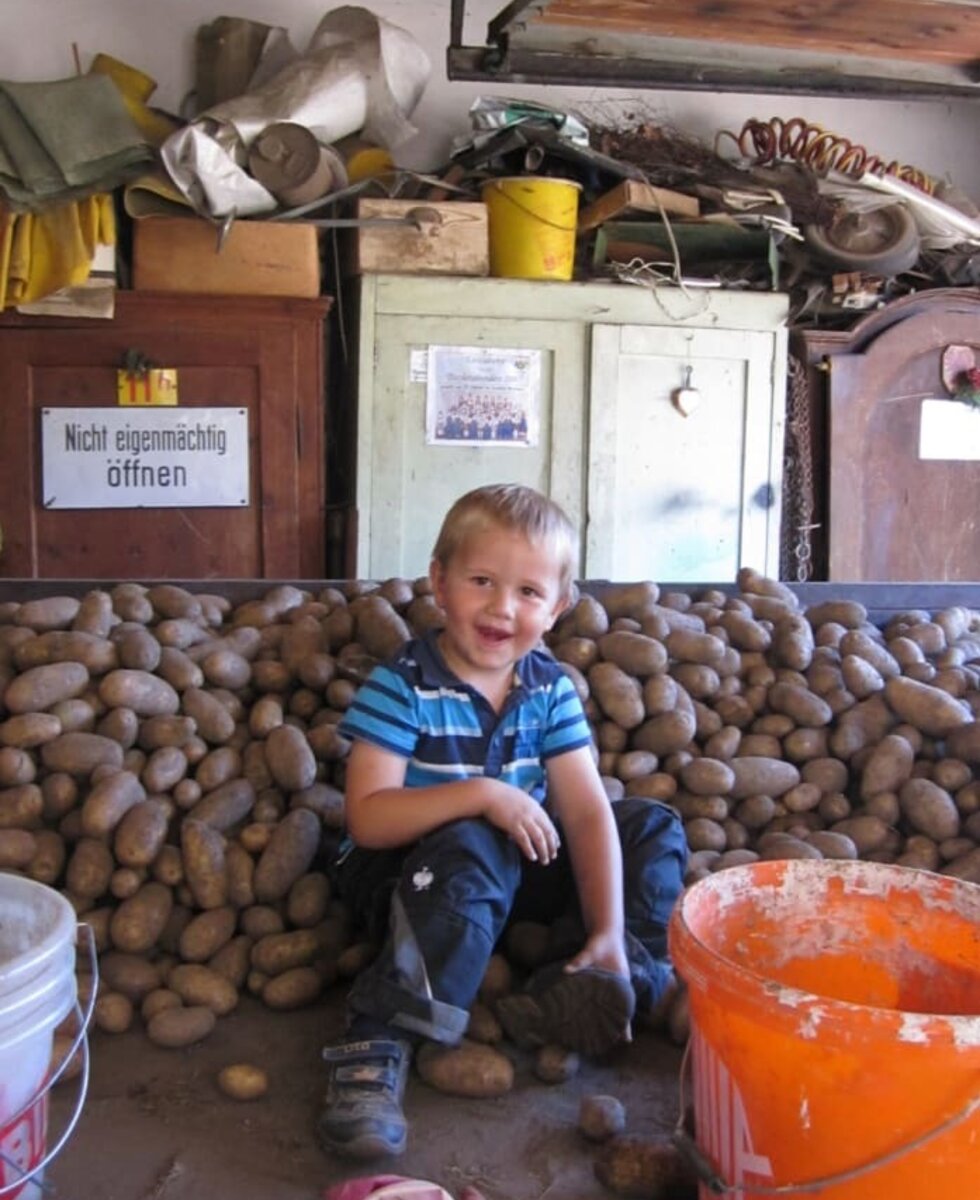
360,73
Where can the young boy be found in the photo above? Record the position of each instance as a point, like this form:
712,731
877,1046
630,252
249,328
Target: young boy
473,796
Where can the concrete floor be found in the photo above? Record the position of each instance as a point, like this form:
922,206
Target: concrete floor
155,1126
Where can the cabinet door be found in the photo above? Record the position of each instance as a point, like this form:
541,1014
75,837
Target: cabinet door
903,504
684,498
404,485
260,354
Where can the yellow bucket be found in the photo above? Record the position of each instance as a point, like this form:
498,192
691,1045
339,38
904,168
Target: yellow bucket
532,221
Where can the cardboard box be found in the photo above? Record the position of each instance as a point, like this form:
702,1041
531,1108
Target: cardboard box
422,237
257,258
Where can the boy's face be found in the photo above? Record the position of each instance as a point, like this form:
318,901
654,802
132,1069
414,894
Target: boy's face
500,593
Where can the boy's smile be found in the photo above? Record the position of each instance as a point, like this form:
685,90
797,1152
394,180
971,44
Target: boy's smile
501,594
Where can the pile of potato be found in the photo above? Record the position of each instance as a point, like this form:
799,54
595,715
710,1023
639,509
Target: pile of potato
171,761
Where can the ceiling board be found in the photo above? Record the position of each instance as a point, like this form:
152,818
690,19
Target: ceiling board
874,47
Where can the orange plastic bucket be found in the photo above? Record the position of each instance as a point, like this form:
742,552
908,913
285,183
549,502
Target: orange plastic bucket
835,1029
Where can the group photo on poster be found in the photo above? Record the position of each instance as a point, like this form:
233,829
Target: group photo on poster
483,395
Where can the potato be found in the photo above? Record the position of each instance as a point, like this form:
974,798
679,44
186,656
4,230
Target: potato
618,694
469,1069
205,933
645,1168
294,988
30,729
131,974
39,688
48,860
89,869
200,985
800,704
138,922
887,767
80,753
378,627
707,776
307,901
204,863
756,776
21,807
929,709
157,1001
113,1012
288,855
226,805
637,654
601,1117
176,1027
665,733
929,809
290,759
552,1063
629,599
242,1081
109,801
17,849
212,720
233,959
138,649
157,732
278,952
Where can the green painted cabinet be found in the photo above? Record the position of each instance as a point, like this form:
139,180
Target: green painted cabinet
655,416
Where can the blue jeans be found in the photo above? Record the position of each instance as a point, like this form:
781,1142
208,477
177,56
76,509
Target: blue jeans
441,904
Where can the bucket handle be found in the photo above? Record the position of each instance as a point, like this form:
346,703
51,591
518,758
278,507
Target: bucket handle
530,211
80,1042
712,1178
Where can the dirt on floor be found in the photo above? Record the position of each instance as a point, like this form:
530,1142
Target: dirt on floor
154,1125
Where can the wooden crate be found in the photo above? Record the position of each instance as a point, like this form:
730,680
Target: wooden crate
419,237
257,258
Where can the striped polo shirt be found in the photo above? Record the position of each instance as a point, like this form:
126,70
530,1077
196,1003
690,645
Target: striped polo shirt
446,730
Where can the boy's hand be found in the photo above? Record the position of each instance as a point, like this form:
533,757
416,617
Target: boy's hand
602,950
524,821
607,952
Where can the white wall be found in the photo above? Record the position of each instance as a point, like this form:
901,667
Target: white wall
937,137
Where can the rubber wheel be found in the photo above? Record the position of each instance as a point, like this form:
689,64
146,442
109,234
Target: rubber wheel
884,241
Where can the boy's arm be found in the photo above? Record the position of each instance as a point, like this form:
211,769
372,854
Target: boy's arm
382,813
585,816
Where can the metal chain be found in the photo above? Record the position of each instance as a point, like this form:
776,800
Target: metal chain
798,477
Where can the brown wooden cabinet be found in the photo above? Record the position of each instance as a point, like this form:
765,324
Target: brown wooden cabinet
884,510
263,355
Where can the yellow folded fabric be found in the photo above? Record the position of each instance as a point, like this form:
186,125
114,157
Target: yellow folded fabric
41,253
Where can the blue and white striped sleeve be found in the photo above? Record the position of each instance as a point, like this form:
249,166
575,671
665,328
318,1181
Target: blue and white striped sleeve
568,727
383,713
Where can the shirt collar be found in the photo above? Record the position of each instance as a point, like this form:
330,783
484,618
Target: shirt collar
435,673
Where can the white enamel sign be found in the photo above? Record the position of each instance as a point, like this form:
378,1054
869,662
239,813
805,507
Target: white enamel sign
144,458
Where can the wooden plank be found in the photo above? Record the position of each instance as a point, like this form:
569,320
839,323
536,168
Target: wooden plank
928,31
633,196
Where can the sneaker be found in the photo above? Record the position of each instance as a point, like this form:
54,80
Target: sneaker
588,1011
362,1112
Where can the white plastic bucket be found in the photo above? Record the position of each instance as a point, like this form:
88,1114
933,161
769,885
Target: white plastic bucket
37,991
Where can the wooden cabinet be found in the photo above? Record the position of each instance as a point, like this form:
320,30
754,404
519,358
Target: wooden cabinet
657,494
264,356
889,503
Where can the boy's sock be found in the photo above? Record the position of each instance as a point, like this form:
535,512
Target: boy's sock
588,1011
362,1113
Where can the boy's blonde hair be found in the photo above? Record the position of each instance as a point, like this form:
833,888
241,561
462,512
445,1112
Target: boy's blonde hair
510,506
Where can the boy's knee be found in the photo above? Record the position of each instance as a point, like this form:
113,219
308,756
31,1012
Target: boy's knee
644,822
